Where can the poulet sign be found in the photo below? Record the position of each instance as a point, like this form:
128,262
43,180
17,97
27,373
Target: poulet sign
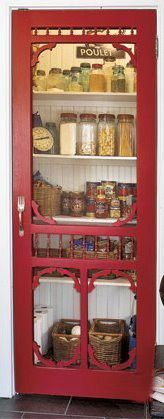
97,52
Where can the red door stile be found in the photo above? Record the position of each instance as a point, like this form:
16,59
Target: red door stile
84,381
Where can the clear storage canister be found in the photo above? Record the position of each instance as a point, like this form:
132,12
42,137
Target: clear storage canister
39,81
68,127
129,78
107,70
97,82
106,135
84,76
54,79
125,135
87,135
66,80
118,79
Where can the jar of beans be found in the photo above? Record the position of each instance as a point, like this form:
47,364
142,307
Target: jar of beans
106,135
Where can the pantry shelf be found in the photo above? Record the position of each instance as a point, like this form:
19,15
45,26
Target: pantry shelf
119,282
112,160
86,96
64,219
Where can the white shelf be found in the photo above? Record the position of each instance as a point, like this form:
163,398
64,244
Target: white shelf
64,219
112,160
119,282
87,96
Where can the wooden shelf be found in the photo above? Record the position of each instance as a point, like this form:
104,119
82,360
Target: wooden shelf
111,160
119,282
64,219
86,96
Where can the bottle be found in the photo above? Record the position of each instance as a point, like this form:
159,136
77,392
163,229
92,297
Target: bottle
66,80
125,135
107,70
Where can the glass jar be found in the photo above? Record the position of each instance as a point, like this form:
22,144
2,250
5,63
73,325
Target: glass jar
66,203
118,79
106,135
84,76
74,85
39,81
114,79
129,78
107,70
87,135
77,205
66,80
51,126
68,127
101,204
125,135
97,81
54,79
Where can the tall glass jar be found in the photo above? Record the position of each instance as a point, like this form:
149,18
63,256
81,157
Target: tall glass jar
68,127
51,126
39,81
84,76
129,78
54,79
118,79
125,135
106,135
107,70
97,81
66,80
87,135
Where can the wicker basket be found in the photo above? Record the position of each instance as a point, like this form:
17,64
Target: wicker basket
48,198
64,343
106,337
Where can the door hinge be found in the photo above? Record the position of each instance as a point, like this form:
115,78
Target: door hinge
157,47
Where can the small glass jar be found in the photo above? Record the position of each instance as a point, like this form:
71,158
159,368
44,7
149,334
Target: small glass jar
129,78
39,81
74,85
51,126
87,135
54,79
107,70
101,204
97,82
66,203
68,127
106,135
77,206
84,76
125,135
118,79
66,80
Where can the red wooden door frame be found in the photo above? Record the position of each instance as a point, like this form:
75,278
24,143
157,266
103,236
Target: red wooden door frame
133,385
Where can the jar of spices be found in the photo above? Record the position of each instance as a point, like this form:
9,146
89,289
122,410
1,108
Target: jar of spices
66,202
87,136
97,82
39,81
68,126
106,135
101,204
125,135
77,204
127,248
51,126
115,208
107,70
129,77
54,79
66,80
84,76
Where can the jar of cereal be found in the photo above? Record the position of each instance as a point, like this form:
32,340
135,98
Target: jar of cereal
106,135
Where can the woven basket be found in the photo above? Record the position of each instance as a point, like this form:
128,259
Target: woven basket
48,198
64,343
106,337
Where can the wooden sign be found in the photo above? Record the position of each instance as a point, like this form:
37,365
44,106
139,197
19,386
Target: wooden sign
98,52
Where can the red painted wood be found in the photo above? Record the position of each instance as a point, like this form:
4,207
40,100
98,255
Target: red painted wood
84,381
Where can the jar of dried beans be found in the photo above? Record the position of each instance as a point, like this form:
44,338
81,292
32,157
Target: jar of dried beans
125,135
106,135
87,137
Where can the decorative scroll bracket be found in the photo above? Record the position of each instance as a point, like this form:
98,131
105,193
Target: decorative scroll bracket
119,273
133,57
118,367
119,222
35,55
36,278
49,363
40,217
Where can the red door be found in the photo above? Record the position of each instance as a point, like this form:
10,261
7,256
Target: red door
84,374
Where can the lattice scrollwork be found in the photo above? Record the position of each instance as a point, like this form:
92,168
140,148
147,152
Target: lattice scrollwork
133,57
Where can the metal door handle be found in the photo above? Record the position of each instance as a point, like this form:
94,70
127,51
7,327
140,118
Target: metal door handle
21,208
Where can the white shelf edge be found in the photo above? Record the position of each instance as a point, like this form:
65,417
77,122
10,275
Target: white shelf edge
119,282
63,219
76,157
118,97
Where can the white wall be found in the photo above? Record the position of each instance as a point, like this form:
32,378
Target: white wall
6,353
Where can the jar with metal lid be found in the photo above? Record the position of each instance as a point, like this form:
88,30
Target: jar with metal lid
68,127
129,77
51,126
101,204
74,85
39,81
54,79
106,135
84,76
77,206
66,80
125,135
118,79
87,135
66,203
97,82
107,70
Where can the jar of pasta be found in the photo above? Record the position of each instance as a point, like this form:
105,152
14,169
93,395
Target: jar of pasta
106,135
87,137
125,135
97,82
